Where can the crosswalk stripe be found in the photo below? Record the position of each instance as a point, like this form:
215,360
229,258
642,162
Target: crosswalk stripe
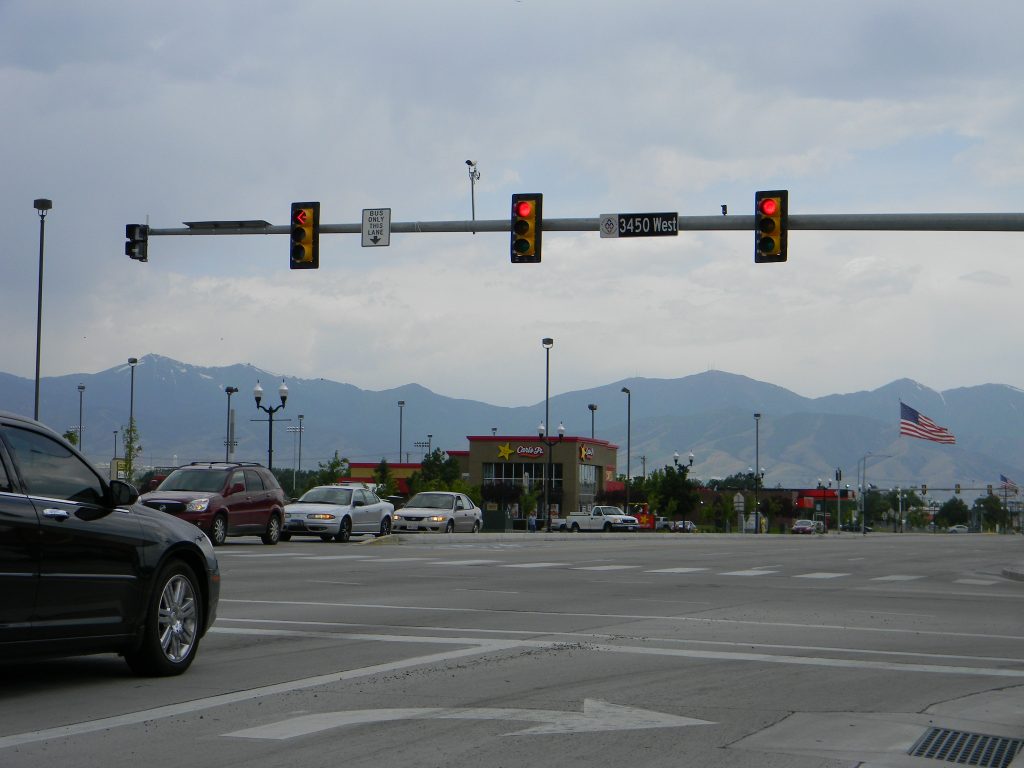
678,570
752,572
534,565
897,577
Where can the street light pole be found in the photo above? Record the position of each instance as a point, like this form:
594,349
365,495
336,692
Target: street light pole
757,471
257,393
592,407
542,433
629,439
547,342
401,408
42,206
227,428
81,393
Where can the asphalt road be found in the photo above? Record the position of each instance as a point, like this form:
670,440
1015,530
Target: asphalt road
560,650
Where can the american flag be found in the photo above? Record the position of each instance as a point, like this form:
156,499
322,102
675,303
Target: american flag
1007,484
914,424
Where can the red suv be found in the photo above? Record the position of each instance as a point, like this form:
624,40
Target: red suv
223,499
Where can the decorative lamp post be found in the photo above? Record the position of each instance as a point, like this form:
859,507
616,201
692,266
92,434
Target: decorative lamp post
629,438
42,206
257,393
228,442
542,433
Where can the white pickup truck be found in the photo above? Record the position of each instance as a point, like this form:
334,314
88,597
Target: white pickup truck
599,519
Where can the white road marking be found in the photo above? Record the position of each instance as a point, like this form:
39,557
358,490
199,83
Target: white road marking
605,567
897,577
820,575
751,572
535,565
976,582
465,562
597,716
678,570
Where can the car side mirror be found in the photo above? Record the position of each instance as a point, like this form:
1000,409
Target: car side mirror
123,494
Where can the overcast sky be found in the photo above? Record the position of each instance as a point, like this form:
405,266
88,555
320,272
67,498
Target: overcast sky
123,112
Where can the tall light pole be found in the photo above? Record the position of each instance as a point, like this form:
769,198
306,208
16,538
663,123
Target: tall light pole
257,393
401,408
757,473
81,393
629,438
547,342
593,408
115,445
42,206
301,430
227,429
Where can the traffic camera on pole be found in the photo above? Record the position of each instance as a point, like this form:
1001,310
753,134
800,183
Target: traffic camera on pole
771,212
305,246
137,245
527,226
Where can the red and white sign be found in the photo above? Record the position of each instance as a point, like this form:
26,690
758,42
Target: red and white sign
530,451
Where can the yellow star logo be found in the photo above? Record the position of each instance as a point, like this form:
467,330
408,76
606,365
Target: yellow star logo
505,452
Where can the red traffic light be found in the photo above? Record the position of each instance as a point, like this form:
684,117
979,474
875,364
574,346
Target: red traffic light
524,208
769,206
300,216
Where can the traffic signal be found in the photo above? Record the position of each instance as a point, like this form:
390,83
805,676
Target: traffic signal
305,224
771,215
989,489
924,489
527,226
956,488
137,244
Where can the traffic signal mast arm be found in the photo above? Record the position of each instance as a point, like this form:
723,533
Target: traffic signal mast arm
894,222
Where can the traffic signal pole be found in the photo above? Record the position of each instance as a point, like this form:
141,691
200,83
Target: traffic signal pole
892,222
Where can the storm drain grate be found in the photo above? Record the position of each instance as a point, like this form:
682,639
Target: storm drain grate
966,748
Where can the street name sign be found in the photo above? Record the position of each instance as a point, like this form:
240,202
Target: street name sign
639,224
376,227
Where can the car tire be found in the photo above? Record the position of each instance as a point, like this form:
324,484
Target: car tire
219,529
173,624
385,527
476,526
344,530
607,527
449,527
273,532
575,528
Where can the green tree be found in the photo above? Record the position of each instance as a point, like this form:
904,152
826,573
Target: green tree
382,477
953,512
332,471
132,449
990,512
71,436
438,472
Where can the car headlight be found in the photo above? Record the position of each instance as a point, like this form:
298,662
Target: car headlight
437,518
320,516
198,505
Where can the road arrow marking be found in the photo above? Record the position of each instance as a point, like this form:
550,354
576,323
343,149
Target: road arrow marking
597,716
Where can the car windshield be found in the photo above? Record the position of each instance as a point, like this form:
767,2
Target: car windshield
341,496
432,501
207,480
807,523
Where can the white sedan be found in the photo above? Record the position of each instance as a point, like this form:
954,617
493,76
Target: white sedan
337,512
439,512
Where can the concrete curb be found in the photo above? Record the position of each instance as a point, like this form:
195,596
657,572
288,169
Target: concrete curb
1014,572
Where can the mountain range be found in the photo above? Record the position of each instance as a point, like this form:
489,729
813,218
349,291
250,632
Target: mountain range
181,413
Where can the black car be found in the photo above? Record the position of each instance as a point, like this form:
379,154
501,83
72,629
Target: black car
86,569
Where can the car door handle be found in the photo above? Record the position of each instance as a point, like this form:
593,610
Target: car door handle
55,514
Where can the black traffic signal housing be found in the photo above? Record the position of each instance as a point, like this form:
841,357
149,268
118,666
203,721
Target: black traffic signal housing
305,236
924,489
956,488
771,220
137,241
527,227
